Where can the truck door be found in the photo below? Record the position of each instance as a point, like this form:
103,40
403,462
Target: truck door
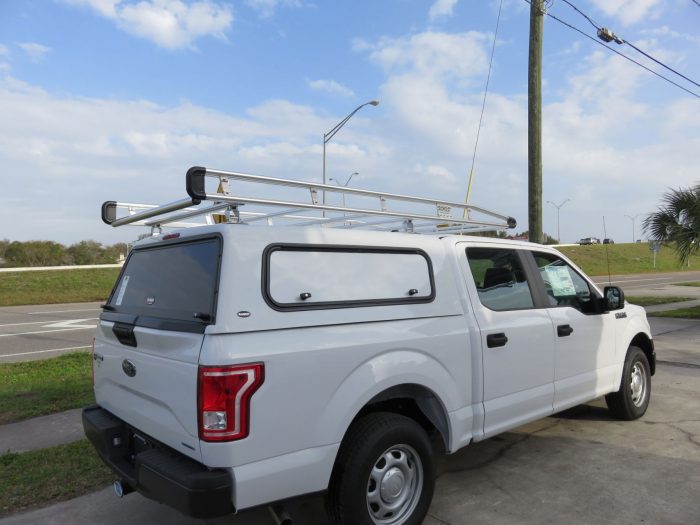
516,336
585,336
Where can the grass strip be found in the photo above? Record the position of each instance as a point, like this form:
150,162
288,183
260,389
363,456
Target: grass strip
643,300
37,388
691,283
56,286
42,477
682,313
626,258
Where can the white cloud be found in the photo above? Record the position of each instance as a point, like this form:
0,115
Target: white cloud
331,87
35,52
172,24
4,51
599,138
441,8
604,146
629,11
431,54
666,31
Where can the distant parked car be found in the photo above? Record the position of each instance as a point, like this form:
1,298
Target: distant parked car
589,240
608,241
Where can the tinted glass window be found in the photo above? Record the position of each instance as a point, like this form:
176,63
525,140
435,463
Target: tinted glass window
500,278
170,282
564,286
313,276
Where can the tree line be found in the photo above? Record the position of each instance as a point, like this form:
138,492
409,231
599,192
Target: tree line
15,254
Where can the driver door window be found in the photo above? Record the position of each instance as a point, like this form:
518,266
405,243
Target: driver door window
564,286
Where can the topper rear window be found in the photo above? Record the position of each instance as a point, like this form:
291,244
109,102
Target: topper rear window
174,281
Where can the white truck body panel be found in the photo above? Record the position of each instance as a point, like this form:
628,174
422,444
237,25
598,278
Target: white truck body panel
324,365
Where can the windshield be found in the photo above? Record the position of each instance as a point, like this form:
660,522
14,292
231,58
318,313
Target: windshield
174,281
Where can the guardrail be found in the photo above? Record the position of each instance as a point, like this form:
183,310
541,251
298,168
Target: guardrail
76,267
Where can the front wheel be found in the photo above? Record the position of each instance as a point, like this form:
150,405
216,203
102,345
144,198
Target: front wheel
632,400
384,473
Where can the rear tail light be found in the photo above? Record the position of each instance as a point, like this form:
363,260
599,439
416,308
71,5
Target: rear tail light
223,400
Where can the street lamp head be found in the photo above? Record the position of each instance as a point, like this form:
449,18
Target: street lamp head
374,102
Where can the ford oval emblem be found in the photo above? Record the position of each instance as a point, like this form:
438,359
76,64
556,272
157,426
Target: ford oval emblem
129,368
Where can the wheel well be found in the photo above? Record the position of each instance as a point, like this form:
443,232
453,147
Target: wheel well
414,401
642,341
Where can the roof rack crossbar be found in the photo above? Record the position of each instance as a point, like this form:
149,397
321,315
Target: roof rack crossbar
152,212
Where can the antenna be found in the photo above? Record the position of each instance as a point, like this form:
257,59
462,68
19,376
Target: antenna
607,257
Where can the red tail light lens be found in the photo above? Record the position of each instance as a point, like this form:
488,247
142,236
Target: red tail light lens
224,394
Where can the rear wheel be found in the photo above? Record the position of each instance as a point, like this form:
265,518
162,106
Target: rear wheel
384,473
632,400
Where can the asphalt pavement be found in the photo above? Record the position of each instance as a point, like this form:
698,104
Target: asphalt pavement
42,331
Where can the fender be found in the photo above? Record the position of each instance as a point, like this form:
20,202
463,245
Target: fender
381,373
636,329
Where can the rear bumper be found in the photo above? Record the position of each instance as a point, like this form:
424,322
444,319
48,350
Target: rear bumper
156,471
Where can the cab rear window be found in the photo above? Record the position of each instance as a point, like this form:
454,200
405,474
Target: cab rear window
175,281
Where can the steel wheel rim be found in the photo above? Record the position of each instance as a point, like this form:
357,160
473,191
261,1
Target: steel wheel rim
394,486
638,384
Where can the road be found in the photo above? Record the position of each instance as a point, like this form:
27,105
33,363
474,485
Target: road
646,280
38,332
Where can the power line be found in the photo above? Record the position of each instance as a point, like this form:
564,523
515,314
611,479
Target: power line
622,40
697,3
618,53
660,63
483,103
584,15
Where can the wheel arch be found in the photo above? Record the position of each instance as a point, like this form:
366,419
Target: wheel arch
415,401
643,341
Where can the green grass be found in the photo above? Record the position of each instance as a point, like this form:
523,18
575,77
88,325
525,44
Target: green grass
682,313
37,388
42,477
626,258
56,286
692,283
649,301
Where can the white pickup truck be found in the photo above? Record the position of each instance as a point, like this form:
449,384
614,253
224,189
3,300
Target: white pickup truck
236,366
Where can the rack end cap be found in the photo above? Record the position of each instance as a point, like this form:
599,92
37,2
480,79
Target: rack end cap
195,183
109,212
512,223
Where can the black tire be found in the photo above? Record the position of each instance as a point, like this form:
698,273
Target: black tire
632,400
352,493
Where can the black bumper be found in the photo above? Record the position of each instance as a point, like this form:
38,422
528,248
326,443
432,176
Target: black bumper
156,471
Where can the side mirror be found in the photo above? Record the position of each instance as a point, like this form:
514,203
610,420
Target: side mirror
614,298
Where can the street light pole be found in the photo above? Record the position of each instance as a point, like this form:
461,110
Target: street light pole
632,218
558,207
344,185
330,134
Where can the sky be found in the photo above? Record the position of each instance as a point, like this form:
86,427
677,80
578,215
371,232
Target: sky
116,99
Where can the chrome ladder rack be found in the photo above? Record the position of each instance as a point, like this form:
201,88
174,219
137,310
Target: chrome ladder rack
437,216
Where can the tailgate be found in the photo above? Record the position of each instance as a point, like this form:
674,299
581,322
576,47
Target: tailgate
150,335
153,387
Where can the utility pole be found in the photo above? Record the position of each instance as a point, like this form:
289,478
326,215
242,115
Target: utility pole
534,122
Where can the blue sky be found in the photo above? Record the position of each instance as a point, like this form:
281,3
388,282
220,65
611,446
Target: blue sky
109,99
